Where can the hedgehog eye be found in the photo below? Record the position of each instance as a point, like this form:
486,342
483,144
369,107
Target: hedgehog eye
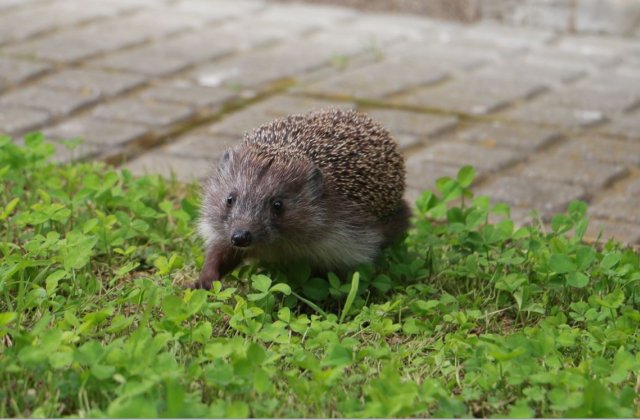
229,200
278,207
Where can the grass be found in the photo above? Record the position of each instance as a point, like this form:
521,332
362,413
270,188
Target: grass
465,318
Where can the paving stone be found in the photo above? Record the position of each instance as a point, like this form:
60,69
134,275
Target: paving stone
185,169
575,170
601,149
161,21
258,68
464,37
591,44
538,73
387,28
78,43
570,59
141,61
380,79
621,207
406,141
422,175
9,4
526,192
422,125
603,100
14,71
505,35
276,107
218,40
628,233
144,112
15,120
100,82
55,101
456,57
220,9
497,134
626,125
474,95
616,81
96,131
540,113
483,158
452,99
202,45
182,92
318,16
25,22
202,145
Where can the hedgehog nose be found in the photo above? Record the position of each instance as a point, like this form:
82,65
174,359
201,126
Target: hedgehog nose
241,238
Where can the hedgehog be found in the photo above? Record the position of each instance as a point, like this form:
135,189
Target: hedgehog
325,188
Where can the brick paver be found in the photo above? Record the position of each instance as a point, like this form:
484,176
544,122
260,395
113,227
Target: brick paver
167,85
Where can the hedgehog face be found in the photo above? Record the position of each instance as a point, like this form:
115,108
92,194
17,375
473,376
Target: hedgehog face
256,202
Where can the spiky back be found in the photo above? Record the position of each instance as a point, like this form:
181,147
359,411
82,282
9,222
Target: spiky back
357,156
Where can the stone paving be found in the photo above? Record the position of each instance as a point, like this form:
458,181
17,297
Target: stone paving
166,85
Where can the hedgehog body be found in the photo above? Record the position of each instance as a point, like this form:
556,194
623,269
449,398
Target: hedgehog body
324,187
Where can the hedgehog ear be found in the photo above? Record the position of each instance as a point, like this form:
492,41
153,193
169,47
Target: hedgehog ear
225,159
316,180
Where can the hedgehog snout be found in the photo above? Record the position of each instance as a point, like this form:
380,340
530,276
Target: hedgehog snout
241,238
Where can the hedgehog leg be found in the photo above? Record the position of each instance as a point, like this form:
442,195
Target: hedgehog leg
219,260
396,225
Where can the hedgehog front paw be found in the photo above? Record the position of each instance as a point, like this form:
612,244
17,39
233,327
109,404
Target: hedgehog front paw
202,283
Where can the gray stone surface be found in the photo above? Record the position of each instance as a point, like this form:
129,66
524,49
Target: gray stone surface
541,73
422,175
620,203
530,192
423,126
104,83
609,102
144,112
540,113
197,96
484,158
96,131
220,9
14,71
498,134
187,169
608,229
22,23
142,61
601,149
380,79
57,102
475,95
617,207
625,125
16,120
575,169
201,145
573,59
